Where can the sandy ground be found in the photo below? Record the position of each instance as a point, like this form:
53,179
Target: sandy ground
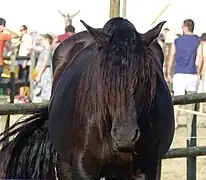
175,169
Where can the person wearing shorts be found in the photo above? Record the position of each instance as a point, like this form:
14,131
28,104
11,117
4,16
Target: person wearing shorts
24,50
185,50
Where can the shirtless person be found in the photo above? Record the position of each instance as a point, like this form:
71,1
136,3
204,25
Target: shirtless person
3,39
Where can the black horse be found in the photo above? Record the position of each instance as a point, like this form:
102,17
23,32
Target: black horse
111,91
87,83
66,50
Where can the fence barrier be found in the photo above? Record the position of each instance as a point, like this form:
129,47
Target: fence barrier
17,58
190,152
28,108
186,152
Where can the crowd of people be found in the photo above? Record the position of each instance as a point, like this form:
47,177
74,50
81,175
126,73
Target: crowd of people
42,73
187,52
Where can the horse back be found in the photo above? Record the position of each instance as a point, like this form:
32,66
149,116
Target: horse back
66,51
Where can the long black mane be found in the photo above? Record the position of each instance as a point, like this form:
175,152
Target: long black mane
122,68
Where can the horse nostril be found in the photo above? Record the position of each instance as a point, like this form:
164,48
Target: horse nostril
136,136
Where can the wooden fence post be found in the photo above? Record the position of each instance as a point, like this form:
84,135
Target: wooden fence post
12,75
114,8
12,89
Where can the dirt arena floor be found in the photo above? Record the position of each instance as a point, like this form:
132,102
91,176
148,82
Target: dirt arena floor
175,169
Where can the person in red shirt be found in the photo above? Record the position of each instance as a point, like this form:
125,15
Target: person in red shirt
3,38
69,31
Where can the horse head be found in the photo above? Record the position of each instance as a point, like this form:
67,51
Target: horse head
125,79
113,23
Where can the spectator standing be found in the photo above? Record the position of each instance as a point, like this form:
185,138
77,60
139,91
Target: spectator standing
202,84
185,50
69,31
3,38
43,71
24,50
162,41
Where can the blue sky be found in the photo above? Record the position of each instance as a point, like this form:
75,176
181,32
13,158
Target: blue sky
42,15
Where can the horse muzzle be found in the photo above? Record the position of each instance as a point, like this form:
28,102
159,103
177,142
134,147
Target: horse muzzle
124,142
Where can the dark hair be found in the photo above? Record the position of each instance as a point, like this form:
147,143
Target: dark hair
2,21
70,28
24,27
203,37
189,23
49,37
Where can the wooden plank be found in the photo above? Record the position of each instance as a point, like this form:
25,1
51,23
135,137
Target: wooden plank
17,58
28,108
190,99
185,152
18,84
190,111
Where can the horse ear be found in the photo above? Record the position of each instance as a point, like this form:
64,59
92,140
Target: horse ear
152,34
97,34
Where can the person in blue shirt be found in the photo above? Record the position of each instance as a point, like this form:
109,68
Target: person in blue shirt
187,53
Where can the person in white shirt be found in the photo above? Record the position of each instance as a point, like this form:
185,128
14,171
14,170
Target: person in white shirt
202,83
24,50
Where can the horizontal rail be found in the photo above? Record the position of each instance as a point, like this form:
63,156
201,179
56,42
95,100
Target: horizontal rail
29,108
17,58
189,99
190,111
18,84
186,152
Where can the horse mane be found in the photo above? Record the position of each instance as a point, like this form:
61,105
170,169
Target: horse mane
123,68
113,23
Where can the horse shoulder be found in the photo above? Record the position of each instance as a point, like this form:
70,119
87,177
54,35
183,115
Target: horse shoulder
62,104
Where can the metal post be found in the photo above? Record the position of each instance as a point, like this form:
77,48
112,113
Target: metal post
191,142
124,8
